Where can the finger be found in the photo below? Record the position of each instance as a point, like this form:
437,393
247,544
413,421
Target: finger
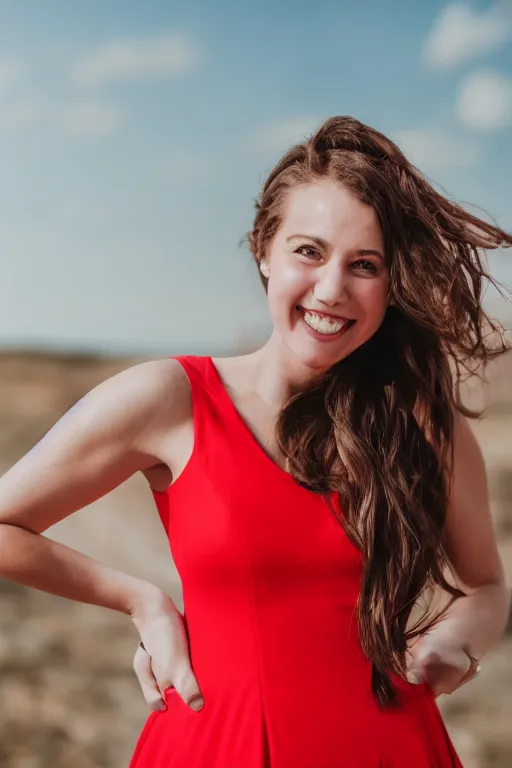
187,686
146,678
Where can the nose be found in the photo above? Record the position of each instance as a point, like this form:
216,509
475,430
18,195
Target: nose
331,285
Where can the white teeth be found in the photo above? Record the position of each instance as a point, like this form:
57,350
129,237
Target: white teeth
323,324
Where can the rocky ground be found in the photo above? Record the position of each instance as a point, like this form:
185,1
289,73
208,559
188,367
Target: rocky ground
68,694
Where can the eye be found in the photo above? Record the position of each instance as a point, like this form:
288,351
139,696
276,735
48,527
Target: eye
311,256
369,265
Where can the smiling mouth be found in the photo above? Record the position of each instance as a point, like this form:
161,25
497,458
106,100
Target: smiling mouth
323,323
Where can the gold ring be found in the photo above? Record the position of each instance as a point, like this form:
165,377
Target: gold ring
474,668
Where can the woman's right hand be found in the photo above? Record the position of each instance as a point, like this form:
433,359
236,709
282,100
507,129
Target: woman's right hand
162,660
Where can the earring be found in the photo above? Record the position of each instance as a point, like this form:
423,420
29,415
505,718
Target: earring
264,268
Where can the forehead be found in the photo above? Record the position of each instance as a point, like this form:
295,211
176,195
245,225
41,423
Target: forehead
329,210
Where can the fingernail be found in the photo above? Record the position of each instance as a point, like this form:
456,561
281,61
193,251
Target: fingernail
197,704
160,706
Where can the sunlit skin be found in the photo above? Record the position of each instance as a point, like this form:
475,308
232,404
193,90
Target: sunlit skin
328,256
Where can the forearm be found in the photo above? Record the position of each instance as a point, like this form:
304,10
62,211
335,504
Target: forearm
36,561
476,622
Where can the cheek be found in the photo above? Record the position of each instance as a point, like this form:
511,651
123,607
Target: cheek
373,298
286,286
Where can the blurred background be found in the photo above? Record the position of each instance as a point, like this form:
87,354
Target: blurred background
133,140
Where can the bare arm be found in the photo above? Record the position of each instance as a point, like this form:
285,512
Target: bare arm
111,433
478,620
472,624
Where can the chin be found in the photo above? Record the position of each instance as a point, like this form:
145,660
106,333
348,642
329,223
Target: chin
317,356
318,360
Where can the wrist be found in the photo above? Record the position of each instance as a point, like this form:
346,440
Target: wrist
146,599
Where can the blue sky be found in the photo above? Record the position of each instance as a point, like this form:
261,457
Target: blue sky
135,136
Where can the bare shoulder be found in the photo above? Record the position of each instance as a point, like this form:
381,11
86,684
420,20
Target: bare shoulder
157,390
156,399
165,413
142,401
118,428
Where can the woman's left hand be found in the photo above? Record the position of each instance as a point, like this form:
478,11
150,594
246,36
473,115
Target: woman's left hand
439,663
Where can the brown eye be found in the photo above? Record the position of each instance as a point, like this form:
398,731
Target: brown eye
312,252
369,266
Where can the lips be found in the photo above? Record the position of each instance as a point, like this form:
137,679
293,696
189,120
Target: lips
328,315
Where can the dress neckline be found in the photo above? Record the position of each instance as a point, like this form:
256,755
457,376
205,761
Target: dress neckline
256,445
266,457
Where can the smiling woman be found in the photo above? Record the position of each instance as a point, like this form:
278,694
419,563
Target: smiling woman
334,272
312,491
313,317
374,284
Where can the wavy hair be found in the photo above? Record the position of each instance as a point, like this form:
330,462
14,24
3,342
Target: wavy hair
377,428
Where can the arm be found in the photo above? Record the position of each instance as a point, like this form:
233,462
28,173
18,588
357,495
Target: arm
474,623
111,433
478,620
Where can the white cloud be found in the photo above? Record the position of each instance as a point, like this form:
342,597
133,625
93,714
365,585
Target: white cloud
484,101
11,73
434,151
91,120
133,59
461,34
280,136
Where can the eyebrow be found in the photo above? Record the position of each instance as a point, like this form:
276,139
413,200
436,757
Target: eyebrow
324,244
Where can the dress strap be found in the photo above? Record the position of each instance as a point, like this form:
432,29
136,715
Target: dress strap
212,409
196,369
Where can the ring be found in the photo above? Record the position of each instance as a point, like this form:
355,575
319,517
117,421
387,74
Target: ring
474,669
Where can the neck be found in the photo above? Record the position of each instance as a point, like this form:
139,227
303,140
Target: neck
276,375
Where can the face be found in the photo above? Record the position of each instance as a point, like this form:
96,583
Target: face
328,281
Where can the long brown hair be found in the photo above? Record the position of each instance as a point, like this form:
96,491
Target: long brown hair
378,428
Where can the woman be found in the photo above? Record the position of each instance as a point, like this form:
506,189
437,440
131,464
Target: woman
312,491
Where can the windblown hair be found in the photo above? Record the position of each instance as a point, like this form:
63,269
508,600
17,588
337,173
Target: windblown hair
377,428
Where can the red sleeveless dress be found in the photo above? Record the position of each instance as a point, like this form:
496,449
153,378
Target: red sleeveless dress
270,582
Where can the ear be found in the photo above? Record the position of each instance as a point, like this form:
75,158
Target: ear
264,268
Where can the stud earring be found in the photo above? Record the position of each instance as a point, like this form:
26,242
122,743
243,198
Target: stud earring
264,268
